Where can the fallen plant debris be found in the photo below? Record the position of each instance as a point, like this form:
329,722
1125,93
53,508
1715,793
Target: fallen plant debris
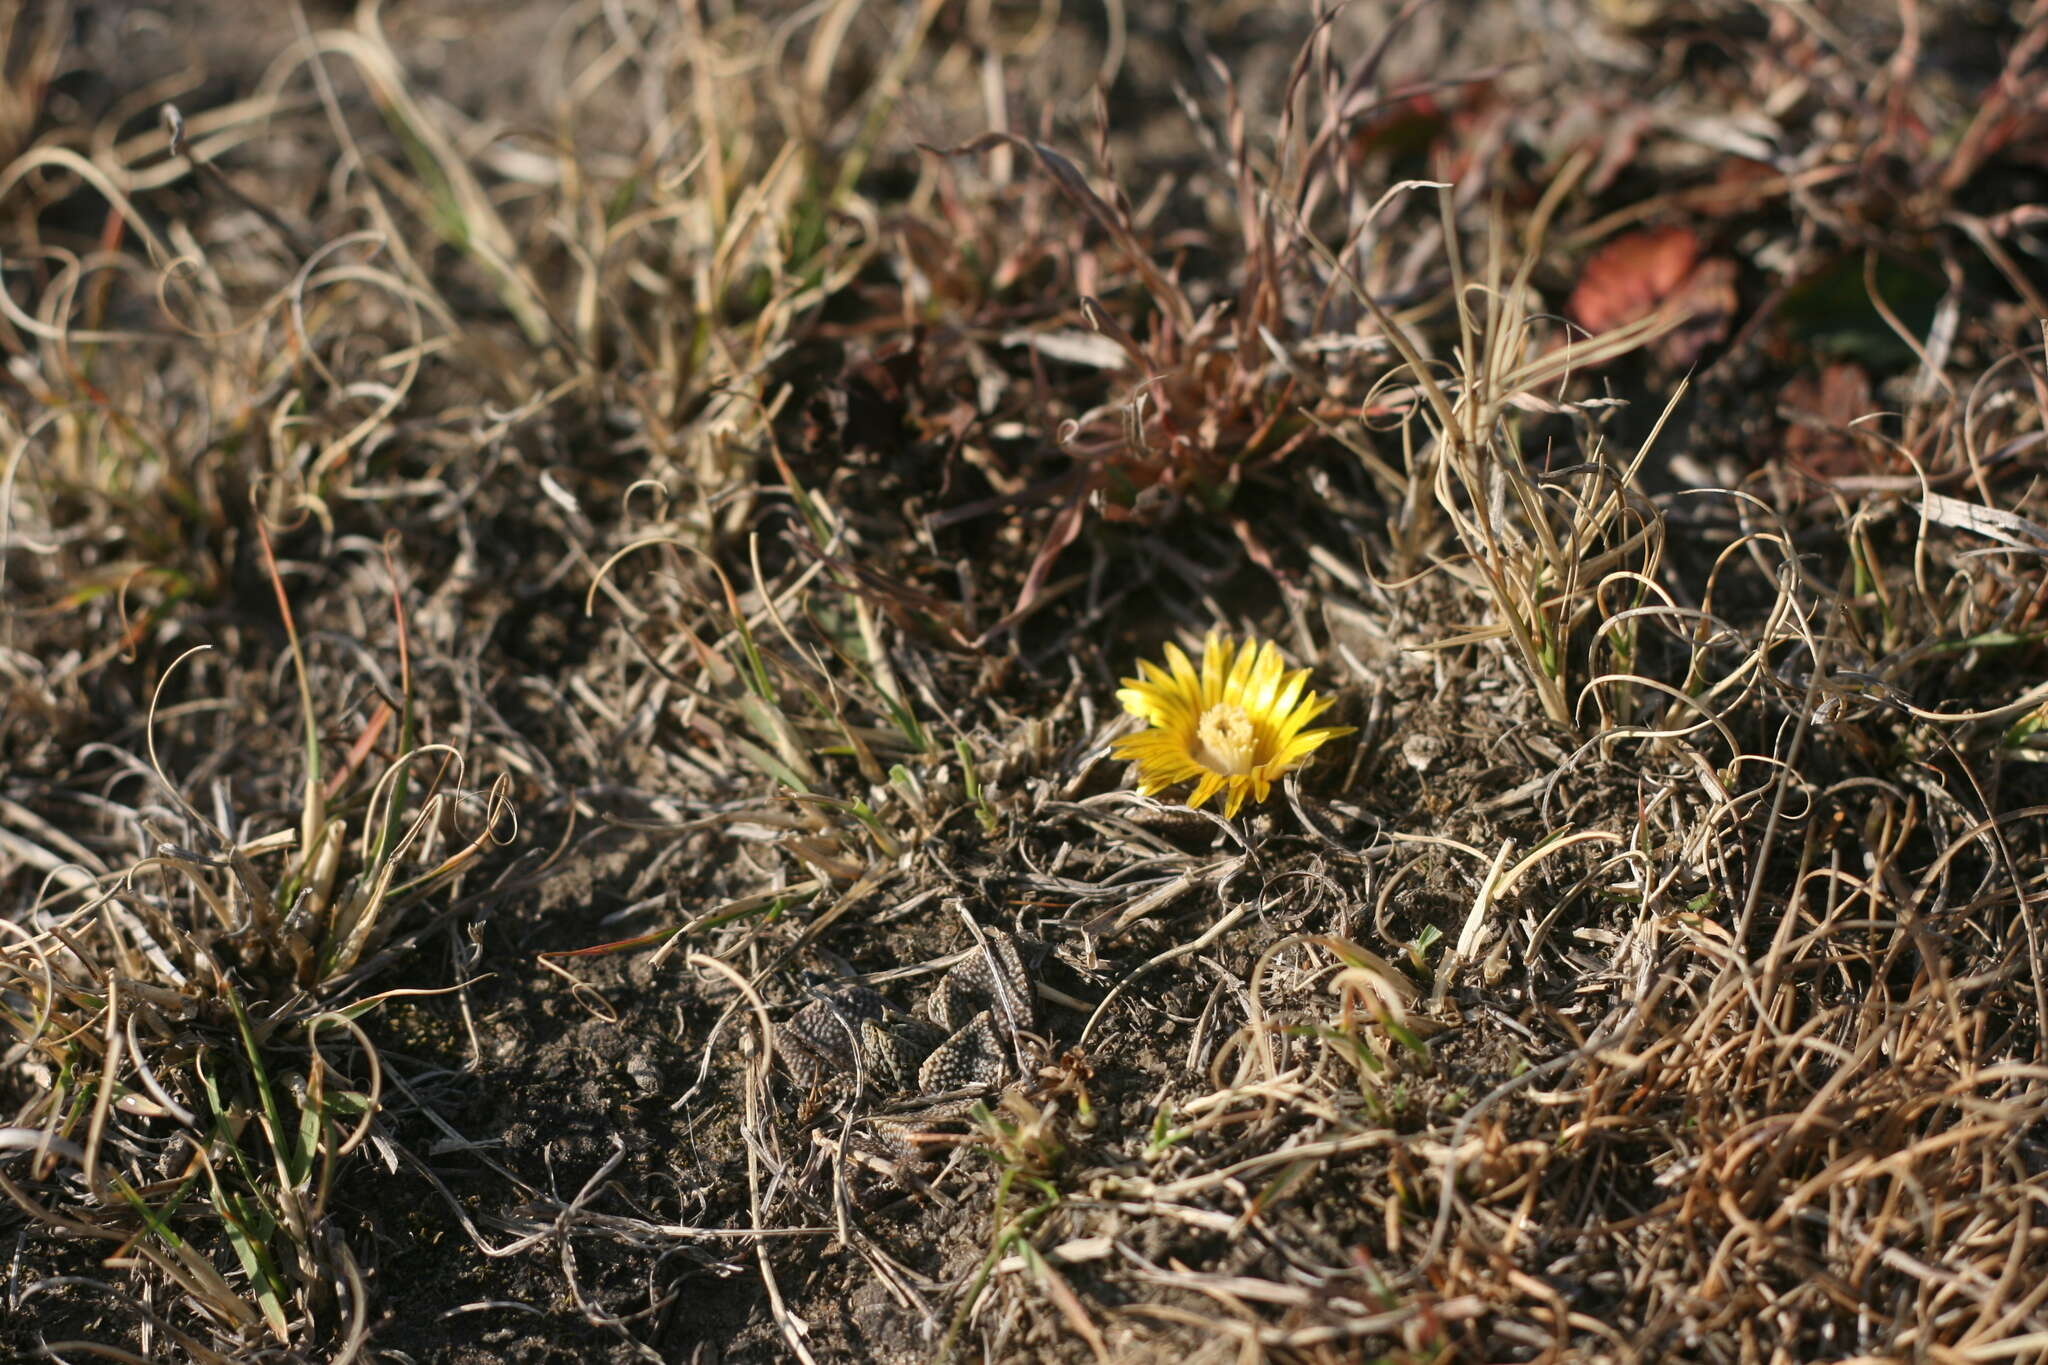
565,573
1637,273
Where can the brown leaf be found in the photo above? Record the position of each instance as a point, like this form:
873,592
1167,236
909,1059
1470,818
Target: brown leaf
1707,299
1740,185
1821,410
1627,279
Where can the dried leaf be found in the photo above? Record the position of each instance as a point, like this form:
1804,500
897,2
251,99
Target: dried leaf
1821,410
1627,279
1639,273
1707,300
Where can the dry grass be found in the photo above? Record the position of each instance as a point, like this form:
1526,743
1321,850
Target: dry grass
530,548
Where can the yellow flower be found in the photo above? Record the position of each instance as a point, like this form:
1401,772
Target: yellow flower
1234,727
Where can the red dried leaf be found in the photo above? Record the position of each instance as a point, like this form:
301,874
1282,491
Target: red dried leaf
1627,279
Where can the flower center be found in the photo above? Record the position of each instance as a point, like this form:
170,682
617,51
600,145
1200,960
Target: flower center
1230,743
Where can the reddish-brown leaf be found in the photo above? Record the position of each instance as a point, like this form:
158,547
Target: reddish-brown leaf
1707,300
1821,410
1627,279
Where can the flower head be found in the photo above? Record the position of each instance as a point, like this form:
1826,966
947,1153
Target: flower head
1234,727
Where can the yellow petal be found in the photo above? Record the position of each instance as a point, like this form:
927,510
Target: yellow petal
1216,652
1264,684
1138,702
1185,684
1240,675
1290,693
1304,712
1235,799
1300,747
